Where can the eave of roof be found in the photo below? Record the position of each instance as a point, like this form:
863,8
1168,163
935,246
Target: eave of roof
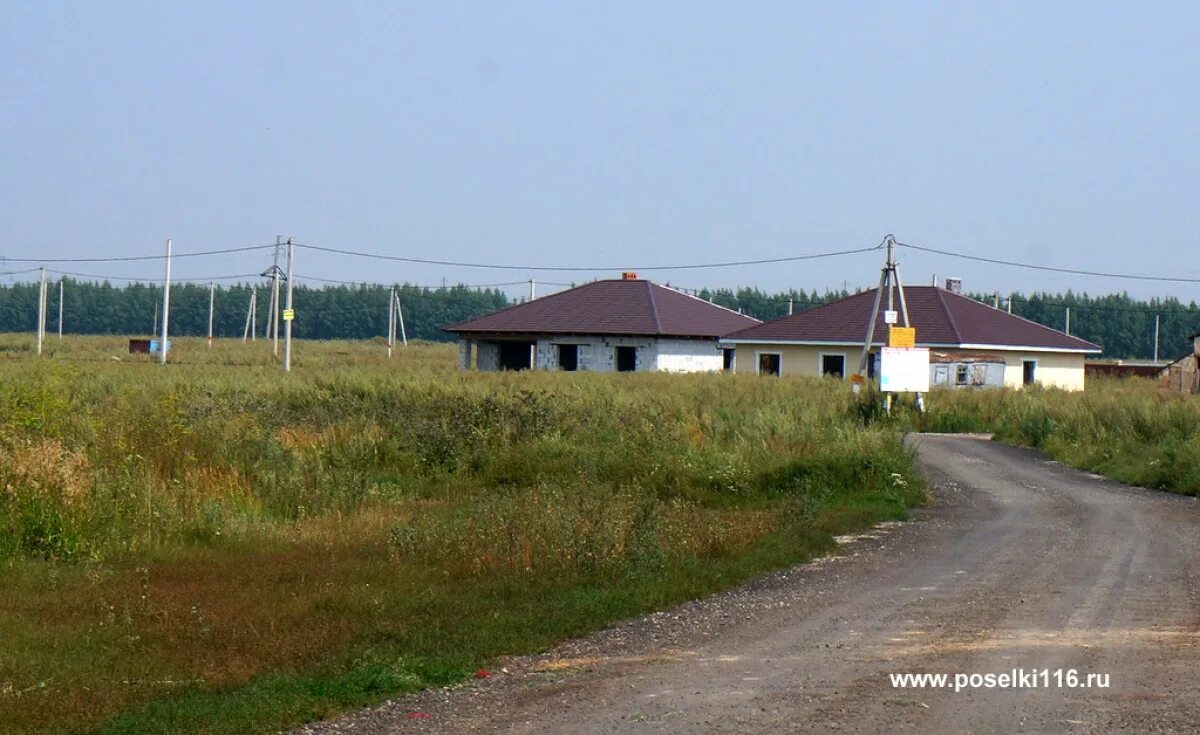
932,345
631,307
943,318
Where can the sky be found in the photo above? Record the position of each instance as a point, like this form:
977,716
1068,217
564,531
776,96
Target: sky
615,135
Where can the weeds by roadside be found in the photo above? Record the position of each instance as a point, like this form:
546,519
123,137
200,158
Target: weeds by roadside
202,547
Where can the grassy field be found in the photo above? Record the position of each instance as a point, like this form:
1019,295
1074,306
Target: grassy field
1128,430
212,546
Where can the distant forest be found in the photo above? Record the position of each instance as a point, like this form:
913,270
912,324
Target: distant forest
1124,326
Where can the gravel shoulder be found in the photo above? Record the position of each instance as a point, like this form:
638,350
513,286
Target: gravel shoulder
1018,563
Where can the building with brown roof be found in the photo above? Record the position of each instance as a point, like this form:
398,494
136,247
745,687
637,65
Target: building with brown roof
622,324
828,340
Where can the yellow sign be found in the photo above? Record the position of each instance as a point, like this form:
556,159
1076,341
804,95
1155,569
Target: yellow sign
857,379
902,337
289,315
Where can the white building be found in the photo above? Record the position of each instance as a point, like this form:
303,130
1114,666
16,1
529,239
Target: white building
623,325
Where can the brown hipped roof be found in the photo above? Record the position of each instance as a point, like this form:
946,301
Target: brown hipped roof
613,307
941,318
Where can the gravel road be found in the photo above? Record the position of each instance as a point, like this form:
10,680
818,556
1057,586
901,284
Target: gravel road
1018,563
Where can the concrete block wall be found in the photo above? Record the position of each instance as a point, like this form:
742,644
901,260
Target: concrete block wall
597,354
487,356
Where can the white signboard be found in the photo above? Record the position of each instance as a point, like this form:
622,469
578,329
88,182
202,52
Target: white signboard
890,316
904,370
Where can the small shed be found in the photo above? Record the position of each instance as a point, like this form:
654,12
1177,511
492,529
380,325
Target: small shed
1183,374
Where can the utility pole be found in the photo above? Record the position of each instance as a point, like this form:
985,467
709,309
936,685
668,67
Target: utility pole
251,325
400,319
391,337
790,306
889,279
1068,328
1156,338
212,301
532,294
162,347
291,315
60,306
273,320
996,300
41,322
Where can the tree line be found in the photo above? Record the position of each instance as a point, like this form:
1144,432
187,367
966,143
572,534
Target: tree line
332,312
1121,324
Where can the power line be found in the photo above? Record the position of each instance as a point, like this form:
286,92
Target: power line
1085,306
20,272
565,268
197,279
1031,266
128,258
299,277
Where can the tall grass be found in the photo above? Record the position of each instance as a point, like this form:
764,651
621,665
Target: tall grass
1131,431
251,549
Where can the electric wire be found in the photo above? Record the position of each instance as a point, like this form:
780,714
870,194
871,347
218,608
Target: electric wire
1053,269
130,258
152,281
298,277
565,268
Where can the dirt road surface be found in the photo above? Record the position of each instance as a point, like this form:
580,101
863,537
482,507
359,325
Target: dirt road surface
1017,563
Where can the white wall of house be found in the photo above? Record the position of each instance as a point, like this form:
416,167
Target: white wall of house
1054,369
688,356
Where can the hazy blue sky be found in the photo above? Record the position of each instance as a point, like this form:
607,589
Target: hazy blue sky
608,133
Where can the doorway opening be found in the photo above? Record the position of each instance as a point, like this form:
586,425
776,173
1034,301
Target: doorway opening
626,359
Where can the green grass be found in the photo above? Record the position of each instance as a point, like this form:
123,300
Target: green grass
1131,430
214,546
